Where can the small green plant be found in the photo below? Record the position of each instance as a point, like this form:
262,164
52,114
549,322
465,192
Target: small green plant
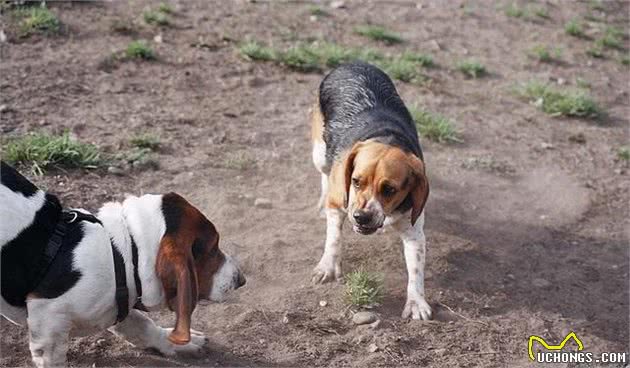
363,288
582,83
623,153
612,39
139,50
544,54
433,126
597,5
472,68
239,161
36,19
514,11
596,51
625,60
147,141
423,60
302,57
574,28
318,11
541,12
42,151
156,17
558,103
253,50
379,33
165,8
123,26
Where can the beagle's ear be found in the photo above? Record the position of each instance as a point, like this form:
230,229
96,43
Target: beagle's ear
176,269
420,190
340,179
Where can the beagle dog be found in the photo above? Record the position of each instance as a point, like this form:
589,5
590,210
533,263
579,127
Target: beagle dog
72,272
365,145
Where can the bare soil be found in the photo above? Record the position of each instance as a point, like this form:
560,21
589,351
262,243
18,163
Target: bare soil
536,245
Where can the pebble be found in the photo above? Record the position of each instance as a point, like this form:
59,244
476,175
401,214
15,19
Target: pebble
262,203
158,39
323,303
363,318
372,348
374,325
115,170
3,108
338,4
541,283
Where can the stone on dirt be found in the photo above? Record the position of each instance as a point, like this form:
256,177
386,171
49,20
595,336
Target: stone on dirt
373,348
262,203
363,318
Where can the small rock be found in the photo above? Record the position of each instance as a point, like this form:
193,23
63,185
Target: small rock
313,18
372,348
262,203
338,4
357,340
323,303
548,146
434,45
3,108
261,341
285,319
440,351
541,283
3,37
363,318
374,325
561,81
115,170
158,39
511,276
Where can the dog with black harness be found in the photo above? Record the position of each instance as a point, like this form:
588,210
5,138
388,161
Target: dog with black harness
68,271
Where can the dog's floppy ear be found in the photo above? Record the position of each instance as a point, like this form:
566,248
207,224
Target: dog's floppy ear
340,179
420,190
176,269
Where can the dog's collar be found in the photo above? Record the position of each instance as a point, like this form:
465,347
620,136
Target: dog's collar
67,218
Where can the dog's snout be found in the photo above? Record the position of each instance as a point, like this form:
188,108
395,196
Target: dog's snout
241,280
362,217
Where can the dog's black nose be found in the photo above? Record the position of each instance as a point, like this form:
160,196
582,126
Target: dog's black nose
362,217
241,280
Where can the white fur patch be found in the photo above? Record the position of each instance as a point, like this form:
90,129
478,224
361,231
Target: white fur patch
18,212
224,280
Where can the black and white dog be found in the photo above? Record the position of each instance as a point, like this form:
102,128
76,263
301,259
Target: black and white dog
66,272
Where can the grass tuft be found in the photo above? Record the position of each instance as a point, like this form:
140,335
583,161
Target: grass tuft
544,54
147,141
139,50
253,50
165,8
159,16
379,33
42,151
623,153
514,11
574,28
472,68
37,19
542,12
596,51
625,60
318,11
560,103
363,288
304,58
433,126
612,39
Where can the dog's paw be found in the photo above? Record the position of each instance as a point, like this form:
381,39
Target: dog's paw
417,308
194,348
327,270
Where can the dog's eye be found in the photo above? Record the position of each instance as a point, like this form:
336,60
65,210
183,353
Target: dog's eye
356,182
388,190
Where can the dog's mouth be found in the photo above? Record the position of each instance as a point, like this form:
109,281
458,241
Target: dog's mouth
364,230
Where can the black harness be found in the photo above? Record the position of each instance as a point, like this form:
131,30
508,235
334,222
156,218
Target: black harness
56,240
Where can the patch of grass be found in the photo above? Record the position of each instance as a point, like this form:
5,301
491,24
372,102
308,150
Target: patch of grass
623,153
472,68
514,11
147,141
596,51
363,288
239,161
253,50
582,83
574,28
625,60
165,8
123,26
421,59
36,19
612,39
139,50
560,103
42,151
318,11
542,12
597,5
487,163
433,126
545,54
379,33
304,58
139,158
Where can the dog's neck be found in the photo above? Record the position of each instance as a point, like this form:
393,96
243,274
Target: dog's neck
142,219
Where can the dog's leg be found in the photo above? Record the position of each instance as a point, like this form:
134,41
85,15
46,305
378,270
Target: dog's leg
329,267
48,336
322,197
142,332
414,243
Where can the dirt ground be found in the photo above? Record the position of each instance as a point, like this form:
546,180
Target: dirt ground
535,245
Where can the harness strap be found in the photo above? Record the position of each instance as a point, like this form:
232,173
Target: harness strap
122,292
136,277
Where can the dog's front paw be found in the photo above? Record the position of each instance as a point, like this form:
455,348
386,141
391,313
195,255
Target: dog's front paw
195,347
328,269
417,308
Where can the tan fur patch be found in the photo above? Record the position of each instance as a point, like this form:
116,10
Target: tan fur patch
317,123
